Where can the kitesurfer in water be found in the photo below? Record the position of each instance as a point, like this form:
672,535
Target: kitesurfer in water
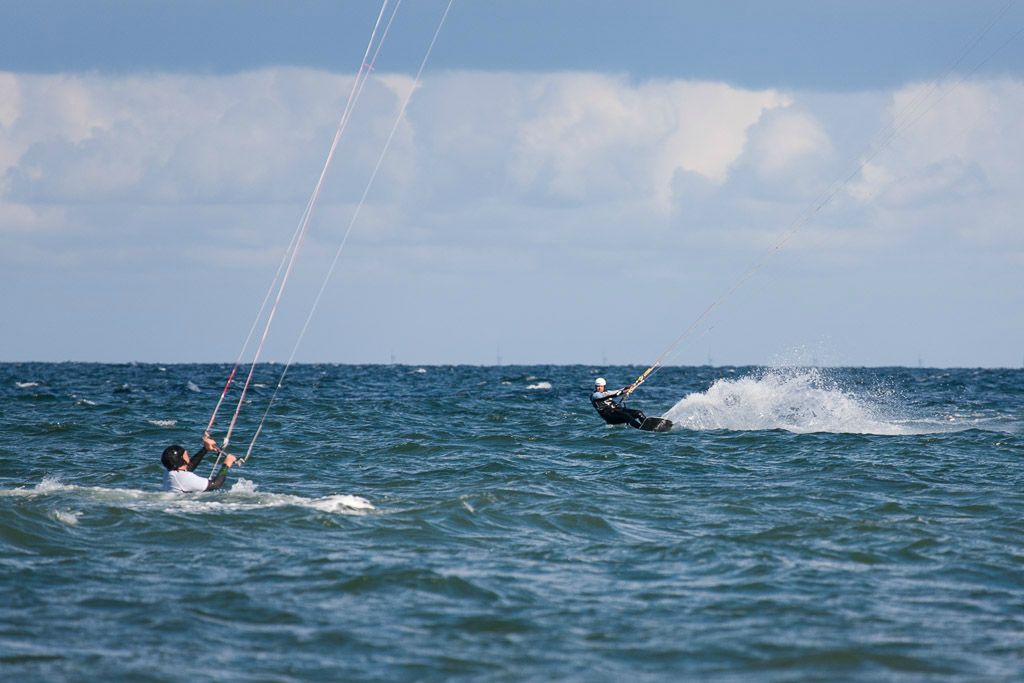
614,413
180,476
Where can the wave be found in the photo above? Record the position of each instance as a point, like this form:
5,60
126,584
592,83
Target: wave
540,385
799,400
69,517
26,385
163,423
193,387
334,503
242,496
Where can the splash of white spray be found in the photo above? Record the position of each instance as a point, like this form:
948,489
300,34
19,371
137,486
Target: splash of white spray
800,400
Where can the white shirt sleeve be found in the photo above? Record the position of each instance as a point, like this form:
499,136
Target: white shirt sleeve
184,482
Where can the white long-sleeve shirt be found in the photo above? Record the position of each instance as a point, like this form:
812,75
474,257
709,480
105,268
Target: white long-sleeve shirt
181,481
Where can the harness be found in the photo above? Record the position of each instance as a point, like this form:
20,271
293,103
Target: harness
605,406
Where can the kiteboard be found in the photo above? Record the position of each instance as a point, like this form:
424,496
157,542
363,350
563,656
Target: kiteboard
656,424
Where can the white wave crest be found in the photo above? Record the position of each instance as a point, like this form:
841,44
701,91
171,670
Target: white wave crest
334,503
540,385
798,400
85,402
26,385
163,423
243,486
54,486
69,517
49,485
193,387
241,497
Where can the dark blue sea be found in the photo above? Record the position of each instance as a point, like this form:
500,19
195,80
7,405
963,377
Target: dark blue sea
398,523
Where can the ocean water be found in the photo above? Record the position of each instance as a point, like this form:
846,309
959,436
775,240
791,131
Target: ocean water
480,523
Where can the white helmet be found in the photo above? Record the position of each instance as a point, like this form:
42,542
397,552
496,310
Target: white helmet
599,382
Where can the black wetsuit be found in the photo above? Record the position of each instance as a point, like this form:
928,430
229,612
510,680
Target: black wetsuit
612,412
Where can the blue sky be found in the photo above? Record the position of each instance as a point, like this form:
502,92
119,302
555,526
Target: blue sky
785,43
573,181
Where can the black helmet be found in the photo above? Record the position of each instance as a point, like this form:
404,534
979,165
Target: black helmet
173,457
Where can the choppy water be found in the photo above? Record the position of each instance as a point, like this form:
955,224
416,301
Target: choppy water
402,523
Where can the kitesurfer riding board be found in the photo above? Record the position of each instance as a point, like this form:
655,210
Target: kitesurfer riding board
615,413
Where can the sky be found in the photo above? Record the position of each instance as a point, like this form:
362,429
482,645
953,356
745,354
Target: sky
573,181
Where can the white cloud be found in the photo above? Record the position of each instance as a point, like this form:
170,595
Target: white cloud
786,139
562,160
10,105
587,137
10,99
173,138
953,140
27,218
504,194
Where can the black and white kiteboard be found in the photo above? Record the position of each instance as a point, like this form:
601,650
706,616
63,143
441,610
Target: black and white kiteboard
656,424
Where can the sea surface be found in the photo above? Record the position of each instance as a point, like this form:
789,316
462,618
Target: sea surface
402,523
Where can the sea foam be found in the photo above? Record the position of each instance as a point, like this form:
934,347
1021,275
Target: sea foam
800,400
69,517
343,503
242,496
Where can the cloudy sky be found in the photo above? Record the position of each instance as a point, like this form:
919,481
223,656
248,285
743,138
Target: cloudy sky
573,182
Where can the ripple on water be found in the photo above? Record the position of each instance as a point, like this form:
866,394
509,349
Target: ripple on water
443,525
